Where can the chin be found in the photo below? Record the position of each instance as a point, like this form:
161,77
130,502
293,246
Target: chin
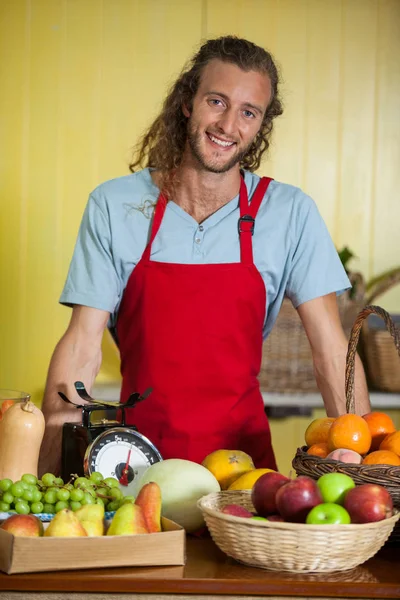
212,160
220,165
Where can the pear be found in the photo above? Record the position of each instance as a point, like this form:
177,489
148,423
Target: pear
128,520
91,517
65,524
149,500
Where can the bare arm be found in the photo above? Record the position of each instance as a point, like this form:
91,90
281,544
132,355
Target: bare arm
77,357
321,321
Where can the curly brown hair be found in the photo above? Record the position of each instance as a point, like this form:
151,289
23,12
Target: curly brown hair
162,145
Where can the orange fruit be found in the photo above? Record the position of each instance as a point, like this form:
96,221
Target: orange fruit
320,449
6,404
391,442
380,424
382,457
317,431
351,432
228,465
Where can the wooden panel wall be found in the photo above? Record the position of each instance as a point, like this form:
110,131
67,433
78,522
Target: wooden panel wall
80,79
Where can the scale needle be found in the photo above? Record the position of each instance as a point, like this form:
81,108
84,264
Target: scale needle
124,477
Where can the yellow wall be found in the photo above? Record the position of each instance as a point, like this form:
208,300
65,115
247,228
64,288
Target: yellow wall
79,80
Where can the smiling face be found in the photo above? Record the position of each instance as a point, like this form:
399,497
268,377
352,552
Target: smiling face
226,115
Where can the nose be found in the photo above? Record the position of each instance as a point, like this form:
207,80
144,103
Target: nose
227,123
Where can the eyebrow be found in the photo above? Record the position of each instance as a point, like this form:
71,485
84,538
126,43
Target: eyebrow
255,107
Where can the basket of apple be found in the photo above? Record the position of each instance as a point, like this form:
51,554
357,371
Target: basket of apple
301,525
365,447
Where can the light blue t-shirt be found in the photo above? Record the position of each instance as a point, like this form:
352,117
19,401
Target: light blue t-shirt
292,247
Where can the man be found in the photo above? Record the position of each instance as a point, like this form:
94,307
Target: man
190,288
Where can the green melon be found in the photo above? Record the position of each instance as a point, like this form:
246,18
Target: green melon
182,484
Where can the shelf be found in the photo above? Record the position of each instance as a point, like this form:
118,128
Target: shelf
110,392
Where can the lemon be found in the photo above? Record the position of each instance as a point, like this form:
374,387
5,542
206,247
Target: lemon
247,480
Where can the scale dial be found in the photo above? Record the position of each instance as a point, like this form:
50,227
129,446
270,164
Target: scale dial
123,453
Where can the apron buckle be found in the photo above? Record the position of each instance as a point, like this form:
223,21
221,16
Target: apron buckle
246,219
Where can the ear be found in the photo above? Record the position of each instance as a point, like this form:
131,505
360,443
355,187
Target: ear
185,111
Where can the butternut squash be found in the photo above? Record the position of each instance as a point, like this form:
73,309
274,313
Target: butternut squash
21,435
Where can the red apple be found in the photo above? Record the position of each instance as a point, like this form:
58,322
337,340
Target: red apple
368,502
23,526
264,490
275,518
236,511
295,499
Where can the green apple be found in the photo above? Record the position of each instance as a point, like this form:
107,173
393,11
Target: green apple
328,513
334,487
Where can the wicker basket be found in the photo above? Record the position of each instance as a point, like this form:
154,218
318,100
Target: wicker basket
381,358
385,475
291,547
287,364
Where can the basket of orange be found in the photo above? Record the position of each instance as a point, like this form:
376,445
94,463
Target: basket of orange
367,447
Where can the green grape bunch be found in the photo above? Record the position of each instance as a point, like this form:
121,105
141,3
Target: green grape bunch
50,494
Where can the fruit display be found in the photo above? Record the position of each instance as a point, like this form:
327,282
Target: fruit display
228,465
238,511
306,525
142,516
368,503
295,499
264,492
380,425
182,484
345,455
21,434
23,525
317,431
382,457
328,514
371,439
149,500
248,479
334,487
351,432
331,499
50,494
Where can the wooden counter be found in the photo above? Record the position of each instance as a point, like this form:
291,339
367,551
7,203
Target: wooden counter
208,571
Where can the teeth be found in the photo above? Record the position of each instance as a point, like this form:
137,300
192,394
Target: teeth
220,142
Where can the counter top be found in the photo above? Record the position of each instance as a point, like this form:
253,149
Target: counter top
209,571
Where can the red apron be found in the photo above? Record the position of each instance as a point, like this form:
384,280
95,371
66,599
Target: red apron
194,334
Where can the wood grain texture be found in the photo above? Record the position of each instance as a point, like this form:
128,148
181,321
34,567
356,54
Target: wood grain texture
209,571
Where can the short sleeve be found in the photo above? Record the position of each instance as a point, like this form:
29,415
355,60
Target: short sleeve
315,266
92,278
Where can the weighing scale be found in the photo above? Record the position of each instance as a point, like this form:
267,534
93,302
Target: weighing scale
107,445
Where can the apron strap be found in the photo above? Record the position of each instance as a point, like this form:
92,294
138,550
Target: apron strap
155,226
248,213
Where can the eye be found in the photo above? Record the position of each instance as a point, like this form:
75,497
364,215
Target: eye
215,102
249,114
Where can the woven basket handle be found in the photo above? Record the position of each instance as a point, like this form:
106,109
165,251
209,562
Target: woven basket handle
382,285
352,348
